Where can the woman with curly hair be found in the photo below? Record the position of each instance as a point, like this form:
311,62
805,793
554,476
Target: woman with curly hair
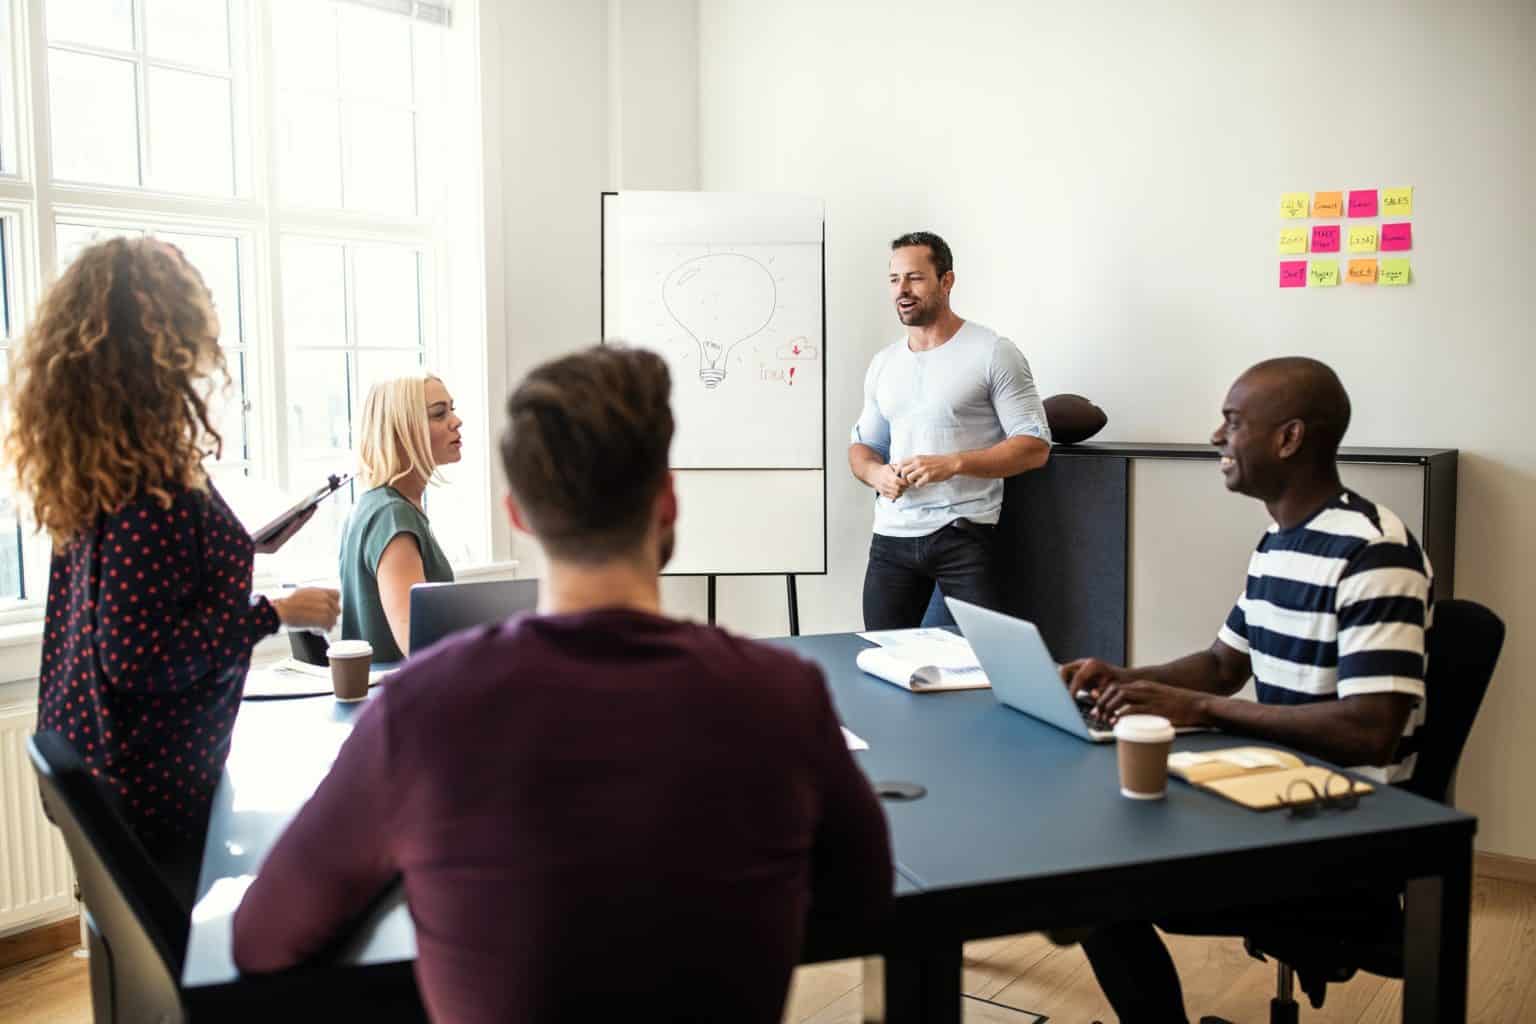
150,617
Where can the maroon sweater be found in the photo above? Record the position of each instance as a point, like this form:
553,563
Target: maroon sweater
589,811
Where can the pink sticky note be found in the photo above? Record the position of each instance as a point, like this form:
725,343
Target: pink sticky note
1362,203
1325,238
1396,237
1293,273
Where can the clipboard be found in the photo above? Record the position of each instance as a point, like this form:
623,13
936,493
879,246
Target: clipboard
333,483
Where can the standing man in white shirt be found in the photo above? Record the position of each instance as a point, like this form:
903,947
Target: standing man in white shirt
949,411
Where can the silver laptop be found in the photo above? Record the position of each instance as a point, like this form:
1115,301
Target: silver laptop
1023,674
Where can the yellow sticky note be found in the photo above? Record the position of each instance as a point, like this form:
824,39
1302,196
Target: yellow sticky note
1293,241
1363,239
1293,205
1328,204
1395,271
1397,202
1323,273
1362,271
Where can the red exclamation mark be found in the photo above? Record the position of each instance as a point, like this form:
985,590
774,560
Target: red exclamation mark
791,376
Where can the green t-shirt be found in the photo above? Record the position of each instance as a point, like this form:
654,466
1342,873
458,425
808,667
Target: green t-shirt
380,515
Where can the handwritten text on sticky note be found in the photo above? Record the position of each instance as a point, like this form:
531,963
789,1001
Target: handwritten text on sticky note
1323,273
1293,241
1362,271
1396,237
1363,239
1397,202
1395,271
1362,203
1325,238
1293,205
1293,273
1328,204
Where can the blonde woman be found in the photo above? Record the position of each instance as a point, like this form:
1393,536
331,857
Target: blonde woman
408,429
150,619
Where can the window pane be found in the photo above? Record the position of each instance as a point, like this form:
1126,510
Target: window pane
315,551
95,119
314,294
74,237
319,413
373,367
309,170
381,159
10,550
304,44
218,261
191,139
387,289
375,54
7,93
105,23
226,407
188,31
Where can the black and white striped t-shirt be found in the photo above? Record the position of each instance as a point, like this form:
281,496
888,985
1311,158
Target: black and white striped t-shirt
1336,607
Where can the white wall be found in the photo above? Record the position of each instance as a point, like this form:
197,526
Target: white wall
1109,177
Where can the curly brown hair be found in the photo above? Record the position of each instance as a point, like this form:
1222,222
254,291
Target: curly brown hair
108,389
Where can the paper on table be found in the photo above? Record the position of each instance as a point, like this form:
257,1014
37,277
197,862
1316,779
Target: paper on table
899,637
854,743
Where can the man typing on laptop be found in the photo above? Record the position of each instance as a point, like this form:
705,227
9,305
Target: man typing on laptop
1330,624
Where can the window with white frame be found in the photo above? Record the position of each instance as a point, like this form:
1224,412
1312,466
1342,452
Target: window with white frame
294,151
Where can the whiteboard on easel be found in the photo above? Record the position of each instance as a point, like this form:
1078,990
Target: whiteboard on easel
728,289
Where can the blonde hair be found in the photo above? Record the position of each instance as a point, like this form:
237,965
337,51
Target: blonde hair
394,442
108,398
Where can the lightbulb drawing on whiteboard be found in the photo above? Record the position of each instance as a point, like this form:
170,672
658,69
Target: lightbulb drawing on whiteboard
720,299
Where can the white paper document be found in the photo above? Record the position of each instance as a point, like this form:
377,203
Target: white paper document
926,666
854,743
900,637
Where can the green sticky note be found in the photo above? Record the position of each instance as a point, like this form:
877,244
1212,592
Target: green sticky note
1363,239
1293,241
1394,272
1295,205
1397,202
1323,273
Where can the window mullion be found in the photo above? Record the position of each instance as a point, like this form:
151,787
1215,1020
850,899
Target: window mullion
273,368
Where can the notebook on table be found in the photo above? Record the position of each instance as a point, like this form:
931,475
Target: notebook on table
925,667
1259,778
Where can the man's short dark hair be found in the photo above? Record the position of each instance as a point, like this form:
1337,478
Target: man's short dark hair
585,449
938,249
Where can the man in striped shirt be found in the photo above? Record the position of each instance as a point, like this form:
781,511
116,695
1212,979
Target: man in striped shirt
1330,625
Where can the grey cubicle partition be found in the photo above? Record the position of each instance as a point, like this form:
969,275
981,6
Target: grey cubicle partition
1133,552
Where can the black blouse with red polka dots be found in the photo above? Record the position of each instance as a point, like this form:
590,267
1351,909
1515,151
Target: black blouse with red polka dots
149,633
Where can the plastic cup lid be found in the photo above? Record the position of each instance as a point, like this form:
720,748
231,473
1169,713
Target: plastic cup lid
349,649
1144,729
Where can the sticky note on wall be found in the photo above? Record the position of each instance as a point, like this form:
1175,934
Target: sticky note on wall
1396,237
1293,273
1323,273
1325,238
1293,241
1293,205
1328,204
1397,202
1362,271
1363,239
1362,203
1395,271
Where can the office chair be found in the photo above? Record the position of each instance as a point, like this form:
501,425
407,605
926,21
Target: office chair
1464,645
137,927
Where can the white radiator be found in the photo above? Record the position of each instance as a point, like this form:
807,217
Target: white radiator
37,883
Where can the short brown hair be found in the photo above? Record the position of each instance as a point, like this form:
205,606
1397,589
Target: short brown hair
585,449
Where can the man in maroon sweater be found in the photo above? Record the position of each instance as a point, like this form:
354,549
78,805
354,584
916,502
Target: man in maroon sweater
595,809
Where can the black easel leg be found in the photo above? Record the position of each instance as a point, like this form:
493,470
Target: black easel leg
794,605
711,600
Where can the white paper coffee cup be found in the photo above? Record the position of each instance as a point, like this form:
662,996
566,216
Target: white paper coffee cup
1143,742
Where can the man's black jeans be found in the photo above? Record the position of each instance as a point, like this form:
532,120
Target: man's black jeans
902,571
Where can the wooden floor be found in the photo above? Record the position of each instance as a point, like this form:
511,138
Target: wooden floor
1027,973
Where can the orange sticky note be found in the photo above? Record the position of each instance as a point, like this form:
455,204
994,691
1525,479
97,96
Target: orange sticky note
1328,204
1362,272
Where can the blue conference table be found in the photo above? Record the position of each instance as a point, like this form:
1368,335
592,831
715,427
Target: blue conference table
1022,829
